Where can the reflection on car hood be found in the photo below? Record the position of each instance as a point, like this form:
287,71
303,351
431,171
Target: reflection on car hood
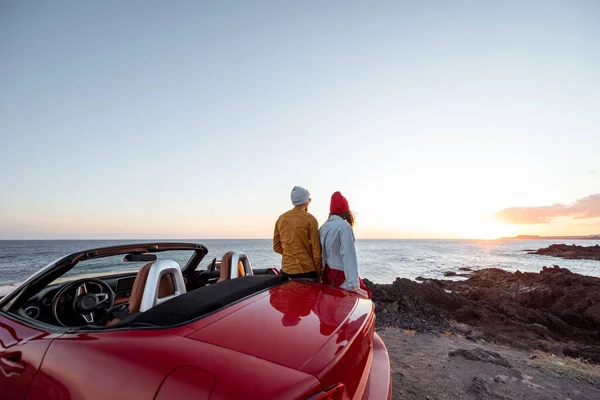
291,324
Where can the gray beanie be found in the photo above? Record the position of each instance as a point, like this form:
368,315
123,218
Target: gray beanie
299,196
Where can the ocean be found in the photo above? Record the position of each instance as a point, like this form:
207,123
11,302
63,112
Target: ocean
380,261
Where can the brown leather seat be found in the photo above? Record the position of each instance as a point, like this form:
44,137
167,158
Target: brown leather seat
226,267
165,288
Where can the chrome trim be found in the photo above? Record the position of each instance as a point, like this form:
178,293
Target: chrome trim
157,270
102,296
236,257
89,318
36,315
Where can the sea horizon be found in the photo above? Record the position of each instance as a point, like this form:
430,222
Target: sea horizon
587,237
380,260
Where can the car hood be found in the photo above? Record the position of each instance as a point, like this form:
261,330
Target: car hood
291,324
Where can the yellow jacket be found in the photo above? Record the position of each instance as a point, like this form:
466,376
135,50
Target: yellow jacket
296,238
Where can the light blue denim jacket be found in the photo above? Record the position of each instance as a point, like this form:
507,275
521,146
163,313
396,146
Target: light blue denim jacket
338,250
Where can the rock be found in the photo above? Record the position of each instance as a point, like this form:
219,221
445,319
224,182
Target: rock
452,273
554,310
501,379
589,352
570,252
479,354
540,330
465,269
480,389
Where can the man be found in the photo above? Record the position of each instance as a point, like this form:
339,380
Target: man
296,238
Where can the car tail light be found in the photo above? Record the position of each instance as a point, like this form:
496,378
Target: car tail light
337,392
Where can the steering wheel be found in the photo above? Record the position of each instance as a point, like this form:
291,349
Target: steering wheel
70,310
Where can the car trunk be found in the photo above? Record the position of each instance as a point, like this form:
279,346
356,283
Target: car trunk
306,326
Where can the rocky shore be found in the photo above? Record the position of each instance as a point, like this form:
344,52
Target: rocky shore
554,310
464,324
572,252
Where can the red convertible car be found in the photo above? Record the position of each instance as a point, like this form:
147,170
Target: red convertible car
143,321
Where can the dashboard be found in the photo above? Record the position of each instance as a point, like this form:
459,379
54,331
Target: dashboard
39,306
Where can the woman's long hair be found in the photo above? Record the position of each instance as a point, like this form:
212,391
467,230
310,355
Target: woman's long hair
348,216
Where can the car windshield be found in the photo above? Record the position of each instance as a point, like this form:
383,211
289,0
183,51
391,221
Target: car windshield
117,265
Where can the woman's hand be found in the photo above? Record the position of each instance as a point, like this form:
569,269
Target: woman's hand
360,292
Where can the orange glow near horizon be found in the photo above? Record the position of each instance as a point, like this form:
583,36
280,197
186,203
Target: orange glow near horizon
370,225
489,230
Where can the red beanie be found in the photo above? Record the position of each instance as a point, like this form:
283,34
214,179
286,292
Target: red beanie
339,204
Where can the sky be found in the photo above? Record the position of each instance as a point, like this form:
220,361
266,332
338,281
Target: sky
436,119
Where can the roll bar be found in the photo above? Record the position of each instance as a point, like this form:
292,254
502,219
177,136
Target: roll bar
156,272
236,257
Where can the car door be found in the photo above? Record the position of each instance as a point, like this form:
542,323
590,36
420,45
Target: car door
115,365
22,350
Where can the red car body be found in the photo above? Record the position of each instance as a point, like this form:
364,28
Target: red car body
295,340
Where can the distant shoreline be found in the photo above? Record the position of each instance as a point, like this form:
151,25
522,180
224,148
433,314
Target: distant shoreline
536,237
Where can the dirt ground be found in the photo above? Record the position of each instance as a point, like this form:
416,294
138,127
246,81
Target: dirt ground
433,366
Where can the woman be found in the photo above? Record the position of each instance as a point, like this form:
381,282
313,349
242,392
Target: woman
337,246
